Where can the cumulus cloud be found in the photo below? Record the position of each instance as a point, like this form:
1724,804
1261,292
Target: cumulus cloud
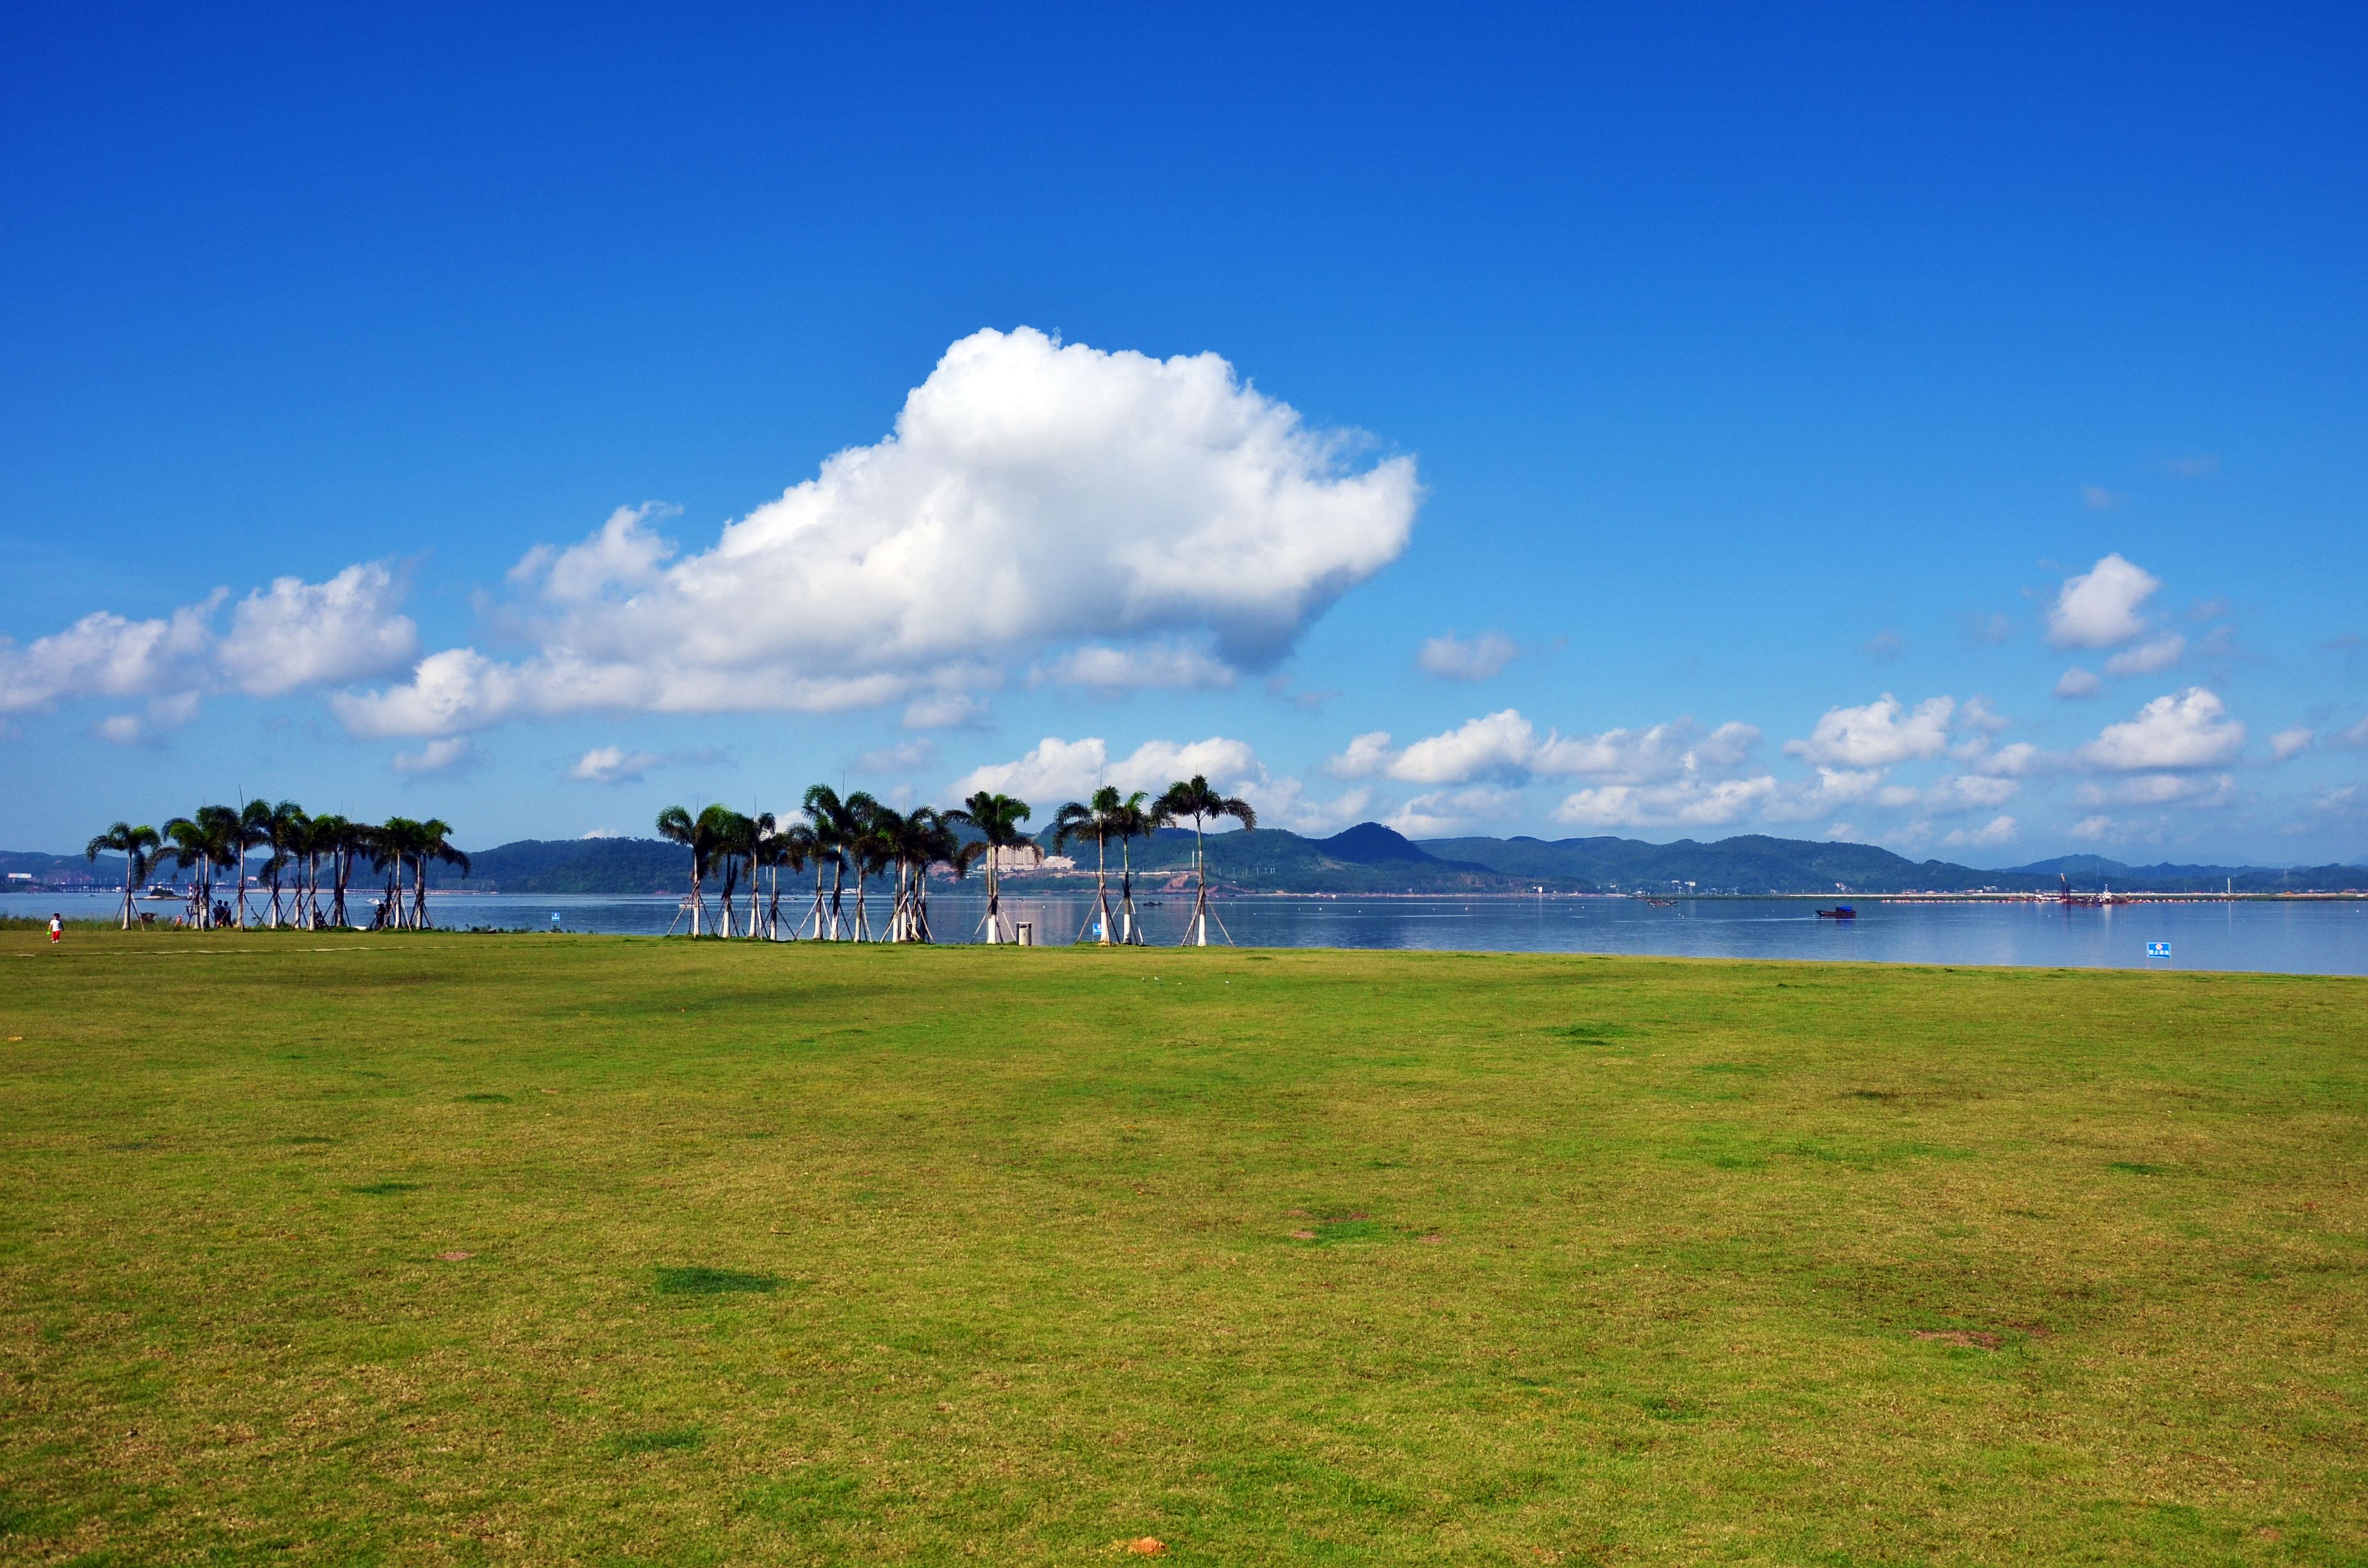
609,765
1879,735
2098,609
1504,744
2017,761
104,655
2288,744
297,633
1980,715
2148,658
1453,658
1500,742
2076,683
2091,828
1446,811
122,729
1649,756
291,636
1056,770
1959,792
446,755
2158,790
1032,494
2191,729
1833,788
1997,831
1168,666
163,714
1690,802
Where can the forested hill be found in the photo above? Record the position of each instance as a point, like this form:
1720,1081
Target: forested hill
575,865
1756,863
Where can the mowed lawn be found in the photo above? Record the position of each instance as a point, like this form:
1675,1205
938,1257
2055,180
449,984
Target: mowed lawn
415,1249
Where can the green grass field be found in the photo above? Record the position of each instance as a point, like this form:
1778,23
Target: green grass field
450,1249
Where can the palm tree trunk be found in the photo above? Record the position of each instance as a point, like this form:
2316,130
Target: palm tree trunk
1200,928
1101,890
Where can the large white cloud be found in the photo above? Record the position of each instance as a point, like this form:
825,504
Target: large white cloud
2098,609
291,636
1033,494
1879,735
1153,665
2158,790
299,633
1648,756
1056,770
104,655
1688,803
2189,729
1504,744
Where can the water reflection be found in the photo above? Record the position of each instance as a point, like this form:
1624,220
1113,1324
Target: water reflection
2291,937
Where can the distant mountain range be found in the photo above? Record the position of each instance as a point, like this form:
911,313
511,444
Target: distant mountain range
1370,858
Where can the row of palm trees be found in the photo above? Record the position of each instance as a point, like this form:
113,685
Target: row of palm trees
304,856
835,834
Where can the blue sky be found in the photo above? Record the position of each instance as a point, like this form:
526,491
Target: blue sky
1938,430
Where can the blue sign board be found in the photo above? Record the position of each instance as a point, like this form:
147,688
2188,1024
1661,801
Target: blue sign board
2157,949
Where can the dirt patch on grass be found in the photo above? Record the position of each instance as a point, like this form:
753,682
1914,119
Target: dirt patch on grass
1972,1338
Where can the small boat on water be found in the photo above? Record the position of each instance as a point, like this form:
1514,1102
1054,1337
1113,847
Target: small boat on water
1838,911
159,891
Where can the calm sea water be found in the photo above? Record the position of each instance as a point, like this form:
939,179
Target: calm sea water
2294,938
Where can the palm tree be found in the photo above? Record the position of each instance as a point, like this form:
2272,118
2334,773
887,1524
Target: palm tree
390,851
323,836
872,848
692,834
433,843
341,841
928,839
254,832
1096,819
283,833
185,845
761,832
839,826
134,844
225,837
1193,798
1137,817
733,838
996,819
789,846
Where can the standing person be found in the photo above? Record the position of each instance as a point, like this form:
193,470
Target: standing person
57,928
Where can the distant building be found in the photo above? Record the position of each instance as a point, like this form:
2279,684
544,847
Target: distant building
1027,857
